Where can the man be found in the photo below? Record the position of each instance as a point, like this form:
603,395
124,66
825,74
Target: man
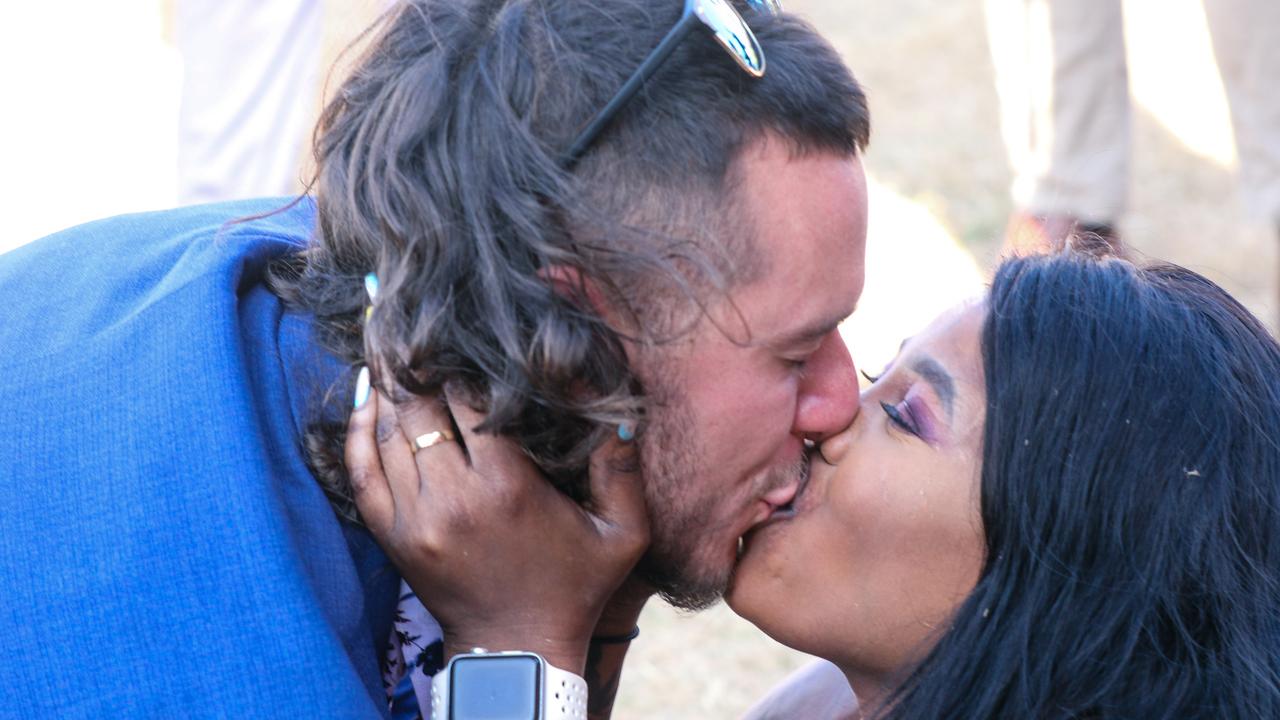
677,279
765,222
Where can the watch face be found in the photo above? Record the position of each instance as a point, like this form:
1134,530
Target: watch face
495,687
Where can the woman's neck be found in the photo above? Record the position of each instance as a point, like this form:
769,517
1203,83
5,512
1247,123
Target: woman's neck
871,689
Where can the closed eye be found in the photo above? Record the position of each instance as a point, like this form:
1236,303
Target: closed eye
899,418
798,367
798,360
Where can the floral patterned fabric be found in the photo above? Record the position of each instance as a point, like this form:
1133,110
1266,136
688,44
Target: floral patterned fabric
414,654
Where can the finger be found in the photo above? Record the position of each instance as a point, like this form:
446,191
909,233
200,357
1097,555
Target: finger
419,416
617,495
369,486
397,456
499,458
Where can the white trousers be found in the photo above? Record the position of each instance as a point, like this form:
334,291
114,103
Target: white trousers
1065,111
250,75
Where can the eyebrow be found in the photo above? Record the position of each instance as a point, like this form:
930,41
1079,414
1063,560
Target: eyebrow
933,373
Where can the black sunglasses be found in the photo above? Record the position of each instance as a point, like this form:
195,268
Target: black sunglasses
729,29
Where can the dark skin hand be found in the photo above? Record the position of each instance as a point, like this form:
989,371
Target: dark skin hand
501,559
604,661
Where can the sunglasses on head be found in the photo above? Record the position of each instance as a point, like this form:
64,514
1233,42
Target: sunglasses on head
729,30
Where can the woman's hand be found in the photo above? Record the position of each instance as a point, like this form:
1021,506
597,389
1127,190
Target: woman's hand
502,559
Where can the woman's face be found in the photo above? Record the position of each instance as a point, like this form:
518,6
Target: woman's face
886,541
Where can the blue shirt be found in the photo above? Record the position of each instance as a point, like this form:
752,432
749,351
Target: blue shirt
164,551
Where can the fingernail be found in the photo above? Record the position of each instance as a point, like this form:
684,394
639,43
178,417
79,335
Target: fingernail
626,433
362,387
371,286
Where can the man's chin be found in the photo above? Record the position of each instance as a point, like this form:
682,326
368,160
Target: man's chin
684,587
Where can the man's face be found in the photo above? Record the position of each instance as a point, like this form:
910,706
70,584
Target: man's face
734,403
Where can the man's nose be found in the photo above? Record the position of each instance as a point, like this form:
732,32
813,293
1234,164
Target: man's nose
828,399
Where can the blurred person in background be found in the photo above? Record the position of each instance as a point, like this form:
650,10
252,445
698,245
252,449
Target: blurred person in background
1063,84
249,76
595,266
1009,529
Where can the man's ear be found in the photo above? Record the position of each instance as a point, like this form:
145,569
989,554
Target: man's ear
580,290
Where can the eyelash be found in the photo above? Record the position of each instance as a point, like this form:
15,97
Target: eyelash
870,379
801,363
895,416
799,367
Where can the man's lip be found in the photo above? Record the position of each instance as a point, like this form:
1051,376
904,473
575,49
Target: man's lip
789,493
781,503
783,495
778,504
767,515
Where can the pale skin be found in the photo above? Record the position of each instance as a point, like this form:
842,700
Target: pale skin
767,353
881,546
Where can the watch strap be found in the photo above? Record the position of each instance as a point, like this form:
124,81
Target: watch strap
564,694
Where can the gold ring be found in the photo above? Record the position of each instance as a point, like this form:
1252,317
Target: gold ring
435,437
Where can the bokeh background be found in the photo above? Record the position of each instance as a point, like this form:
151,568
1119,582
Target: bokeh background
90,129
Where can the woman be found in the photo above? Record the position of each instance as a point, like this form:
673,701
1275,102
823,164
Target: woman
1063,501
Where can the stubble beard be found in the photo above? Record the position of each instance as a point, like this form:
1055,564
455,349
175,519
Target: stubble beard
686,573
673,565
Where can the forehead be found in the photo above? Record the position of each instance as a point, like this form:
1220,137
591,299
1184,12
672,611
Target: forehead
808,216
952,345
953,340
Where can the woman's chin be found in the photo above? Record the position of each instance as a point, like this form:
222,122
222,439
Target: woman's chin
735,594
758,591
765,603
778,586
749,607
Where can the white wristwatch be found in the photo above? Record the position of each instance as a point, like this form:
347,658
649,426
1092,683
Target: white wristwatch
509,685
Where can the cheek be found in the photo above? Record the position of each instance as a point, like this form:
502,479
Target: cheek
812,583
877,565
770,392
916,560
780,573
903,554
745,422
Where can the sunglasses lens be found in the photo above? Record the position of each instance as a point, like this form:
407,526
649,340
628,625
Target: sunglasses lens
733,34
768,7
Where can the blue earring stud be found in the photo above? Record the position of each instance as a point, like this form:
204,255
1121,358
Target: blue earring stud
626,432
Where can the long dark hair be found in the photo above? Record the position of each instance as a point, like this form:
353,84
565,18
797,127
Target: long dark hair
1130,501
439,168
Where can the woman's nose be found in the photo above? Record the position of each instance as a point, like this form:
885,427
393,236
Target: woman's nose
836,446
